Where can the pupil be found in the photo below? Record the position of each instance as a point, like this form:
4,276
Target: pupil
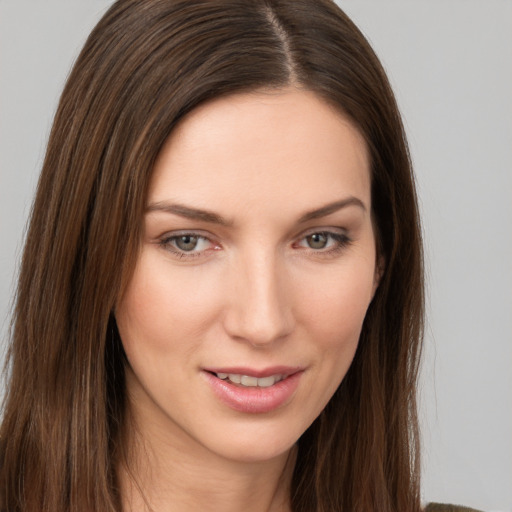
317,241
186,242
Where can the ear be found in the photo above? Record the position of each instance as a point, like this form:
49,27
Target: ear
380,266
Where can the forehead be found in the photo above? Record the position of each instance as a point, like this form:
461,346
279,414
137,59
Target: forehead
261,147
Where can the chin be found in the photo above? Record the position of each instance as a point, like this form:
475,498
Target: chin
254,442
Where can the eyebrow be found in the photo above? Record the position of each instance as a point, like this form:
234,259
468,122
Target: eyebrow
323,211
189,213
214,218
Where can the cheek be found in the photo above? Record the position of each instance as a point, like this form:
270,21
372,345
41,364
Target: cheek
334,305
335,318
335,331
160,309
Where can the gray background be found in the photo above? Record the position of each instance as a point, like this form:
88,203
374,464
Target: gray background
450,62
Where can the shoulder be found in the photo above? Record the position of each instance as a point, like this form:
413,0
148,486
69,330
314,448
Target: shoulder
438,507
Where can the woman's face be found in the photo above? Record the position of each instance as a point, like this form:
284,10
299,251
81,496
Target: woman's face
257,267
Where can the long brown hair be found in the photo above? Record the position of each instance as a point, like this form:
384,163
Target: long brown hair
145,66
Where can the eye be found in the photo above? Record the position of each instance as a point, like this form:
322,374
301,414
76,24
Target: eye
317,240
187,245
324,241
186,242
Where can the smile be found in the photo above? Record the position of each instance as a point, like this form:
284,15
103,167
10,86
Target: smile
253,391
249,381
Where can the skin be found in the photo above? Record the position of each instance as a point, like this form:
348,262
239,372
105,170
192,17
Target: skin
257,290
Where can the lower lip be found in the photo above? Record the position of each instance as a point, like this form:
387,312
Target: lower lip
254,400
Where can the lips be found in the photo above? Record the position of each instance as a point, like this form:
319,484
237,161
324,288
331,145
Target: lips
254,391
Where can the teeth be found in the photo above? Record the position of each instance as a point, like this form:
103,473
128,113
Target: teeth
245,380
248,381
266,382
236,379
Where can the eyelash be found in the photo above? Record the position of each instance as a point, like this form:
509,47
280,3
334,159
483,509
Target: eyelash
339,242
168,242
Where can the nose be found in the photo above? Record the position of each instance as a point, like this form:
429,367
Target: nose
260,309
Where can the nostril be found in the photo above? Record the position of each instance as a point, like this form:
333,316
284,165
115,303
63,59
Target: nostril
258,312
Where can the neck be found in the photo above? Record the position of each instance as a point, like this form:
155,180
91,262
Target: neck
159,475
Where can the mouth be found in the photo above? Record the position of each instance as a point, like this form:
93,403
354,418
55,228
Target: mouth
254,391
250,381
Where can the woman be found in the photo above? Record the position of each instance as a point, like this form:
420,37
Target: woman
220,302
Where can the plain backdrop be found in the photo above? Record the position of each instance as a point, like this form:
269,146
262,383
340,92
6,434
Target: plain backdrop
450,63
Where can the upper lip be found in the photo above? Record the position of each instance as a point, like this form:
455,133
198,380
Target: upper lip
256,372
